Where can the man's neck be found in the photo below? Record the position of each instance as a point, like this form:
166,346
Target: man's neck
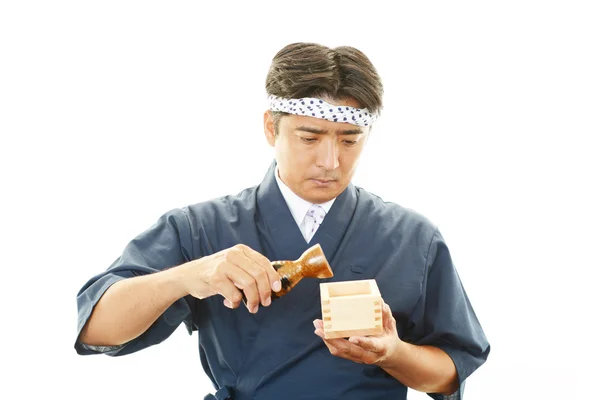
297,205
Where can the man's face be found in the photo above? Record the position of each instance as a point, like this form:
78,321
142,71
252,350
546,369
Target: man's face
316,158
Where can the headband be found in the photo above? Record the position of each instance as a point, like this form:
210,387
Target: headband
312,107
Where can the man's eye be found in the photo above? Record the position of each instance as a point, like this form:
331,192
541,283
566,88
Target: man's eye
351,142
308,140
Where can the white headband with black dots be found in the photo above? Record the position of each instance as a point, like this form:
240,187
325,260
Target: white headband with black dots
311,107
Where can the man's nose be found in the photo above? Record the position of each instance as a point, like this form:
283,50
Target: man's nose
328,157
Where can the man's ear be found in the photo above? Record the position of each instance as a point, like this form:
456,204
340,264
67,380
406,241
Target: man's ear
269,126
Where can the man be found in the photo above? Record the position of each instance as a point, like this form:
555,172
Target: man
194,263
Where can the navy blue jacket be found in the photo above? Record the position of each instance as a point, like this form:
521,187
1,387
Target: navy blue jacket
275,353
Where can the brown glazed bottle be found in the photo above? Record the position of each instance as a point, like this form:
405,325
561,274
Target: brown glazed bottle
311,264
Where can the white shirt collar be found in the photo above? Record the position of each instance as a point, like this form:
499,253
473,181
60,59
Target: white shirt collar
297,205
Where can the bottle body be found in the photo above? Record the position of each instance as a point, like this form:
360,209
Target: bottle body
312,264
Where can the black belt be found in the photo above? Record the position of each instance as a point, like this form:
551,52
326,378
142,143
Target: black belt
225,393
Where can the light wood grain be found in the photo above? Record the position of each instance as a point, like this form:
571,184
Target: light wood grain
351,308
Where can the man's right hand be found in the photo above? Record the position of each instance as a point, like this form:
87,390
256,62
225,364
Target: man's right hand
130,306
230,271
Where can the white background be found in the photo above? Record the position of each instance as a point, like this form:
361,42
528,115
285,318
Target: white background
113,112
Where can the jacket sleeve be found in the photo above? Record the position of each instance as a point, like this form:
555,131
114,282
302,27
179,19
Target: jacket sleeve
444,317
165,244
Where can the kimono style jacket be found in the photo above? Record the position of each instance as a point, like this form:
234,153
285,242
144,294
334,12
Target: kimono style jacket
275,353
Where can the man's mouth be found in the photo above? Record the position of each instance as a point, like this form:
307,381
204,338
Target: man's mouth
322,181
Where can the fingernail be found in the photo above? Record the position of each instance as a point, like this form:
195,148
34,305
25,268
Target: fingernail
254,309
268,302
228,303
276,286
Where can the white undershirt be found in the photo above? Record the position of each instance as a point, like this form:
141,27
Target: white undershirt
297,205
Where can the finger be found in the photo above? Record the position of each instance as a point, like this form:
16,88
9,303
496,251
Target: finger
226,288
241,279
239,258
367,344
340,345
319,329
337,347
344,349
273,277
388,320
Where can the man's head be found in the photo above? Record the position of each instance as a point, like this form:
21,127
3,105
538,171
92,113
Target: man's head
317,156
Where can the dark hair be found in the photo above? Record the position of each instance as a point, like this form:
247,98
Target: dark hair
313,70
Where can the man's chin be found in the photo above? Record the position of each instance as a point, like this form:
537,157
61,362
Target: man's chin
321,194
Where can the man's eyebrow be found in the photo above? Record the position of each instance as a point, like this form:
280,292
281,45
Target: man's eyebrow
318,131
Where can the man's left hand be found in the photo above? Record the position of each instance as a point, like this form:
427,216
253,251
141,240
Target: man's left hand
365,349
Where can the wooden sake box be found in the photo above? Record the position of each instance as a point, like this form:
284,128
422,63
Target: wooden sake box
351,308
